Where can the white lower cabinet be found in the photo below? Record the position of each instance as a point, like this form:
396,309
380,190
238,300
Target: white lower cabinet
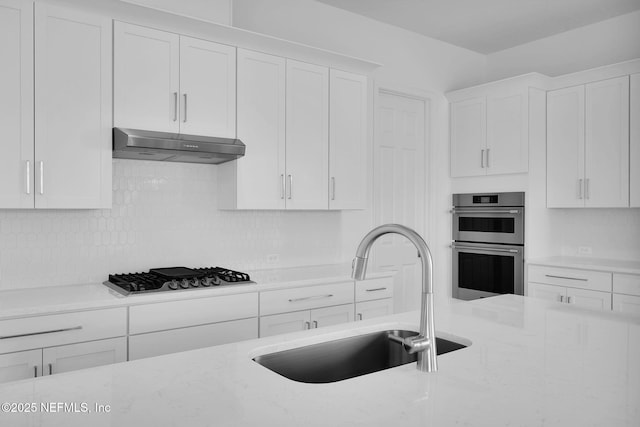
375,308
626,304
308,319
20,365
374,298
626,293
184,339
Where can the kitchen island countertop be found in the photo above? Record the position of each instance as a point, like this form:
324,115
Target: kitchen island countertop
530,363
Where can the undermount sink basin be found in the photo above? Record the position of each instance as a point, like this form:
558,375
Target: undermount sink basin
346,358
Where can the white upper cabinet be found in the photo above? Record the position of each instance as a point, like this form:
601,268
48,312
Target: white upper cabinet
66,162
73,109
146,78
588,145
490,126
257,180
634,150
172,83
307,136
565,147
347,140
468,137
16,104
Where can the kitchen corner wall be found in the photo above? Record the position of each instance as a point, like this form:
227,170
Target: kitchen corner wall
163,215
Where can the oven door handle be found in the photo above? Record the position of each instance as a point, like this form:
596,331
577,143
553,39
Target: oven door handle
484,211
512,251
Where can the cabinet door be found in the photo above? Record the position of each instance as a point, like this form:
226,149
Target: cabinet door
634,141
184,339
146,78
468,137
507,133
256,181
284,323
547,292
565,147
626,304
347,140
84,355
73,109
607,143
335,315
375,308
208,88
307,130
16,104
590,299
20,365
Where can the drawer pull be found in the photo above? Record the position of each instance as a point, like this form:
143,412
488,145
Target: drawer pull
308,298
307,325
50,369
53,331
315,324
568,278
35,371
375,289
359,316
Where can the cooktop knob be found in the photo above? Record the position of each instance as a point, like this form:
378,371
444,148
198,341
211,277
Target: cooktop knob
194,283
206,282
173,284
184,284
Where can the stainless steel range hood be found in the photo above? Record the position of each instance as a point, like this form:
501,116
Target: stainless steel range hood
173,147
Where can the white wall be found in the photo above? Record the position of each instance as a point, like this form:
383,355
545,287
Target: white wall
218,11
603,43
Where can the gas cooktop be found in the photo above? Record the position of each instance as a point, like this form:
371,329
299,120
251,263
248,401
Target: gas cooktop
175,279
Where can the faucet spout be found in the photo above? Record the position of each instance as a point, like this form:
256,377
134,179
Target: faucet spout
425,343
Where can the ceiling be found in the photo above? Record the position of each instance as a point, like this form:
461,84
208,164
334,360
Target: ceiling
488,26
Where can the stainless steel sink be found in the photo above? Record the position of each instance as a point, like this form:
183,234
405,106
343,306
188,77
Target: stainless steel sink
346,358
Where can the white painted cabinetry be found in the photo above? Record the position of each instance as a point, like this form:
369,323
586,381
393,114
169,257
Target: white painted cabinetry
66,161
347,140
634,141
626,293
307,319
588,145
173,83
45,345
374,298
490,126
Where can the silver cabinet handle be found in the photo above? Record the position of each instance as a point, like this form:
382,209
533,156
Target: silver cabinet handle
484,211
50,369
184,118
561,298
52,331
568,300
580,188
35,371
375,289
315,323
290,186
488,157
309,298
41,177
282,186
586,189
28,176
307,325
513,251
175,106
359,316
567,277
482,158
333,188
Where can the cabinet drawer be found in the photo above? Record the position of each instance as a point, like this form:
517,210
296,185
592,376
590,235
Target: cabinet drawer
626,284
626,304
60,329
367,290
583,279
180,314
184,339
295,299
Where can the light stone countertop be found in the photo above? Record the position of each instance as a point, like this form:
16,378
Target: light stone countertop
45,300
588,263
531,363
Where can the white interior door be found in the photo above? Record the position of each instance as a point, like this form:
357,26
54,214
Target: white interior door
16,104
208,88
400,185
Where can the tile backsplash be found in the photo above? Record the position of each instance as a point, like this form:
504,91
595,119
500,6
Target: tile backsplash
163,215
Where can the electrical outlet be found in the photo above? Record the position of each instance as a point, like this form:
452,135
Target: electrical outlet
273,259
585,250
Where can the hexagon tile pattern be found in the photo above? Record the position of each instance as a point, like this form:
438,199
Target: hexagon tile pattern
163,215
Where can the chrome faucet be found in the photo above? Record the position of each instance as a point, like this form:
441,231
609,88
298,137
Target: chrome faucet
425,343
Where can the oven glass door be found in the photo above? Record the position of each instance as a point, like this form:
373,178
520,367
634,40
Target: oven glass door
486,270
490,225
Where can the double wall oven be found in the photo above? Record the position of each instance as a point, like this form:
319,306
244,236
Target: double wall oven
488,245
